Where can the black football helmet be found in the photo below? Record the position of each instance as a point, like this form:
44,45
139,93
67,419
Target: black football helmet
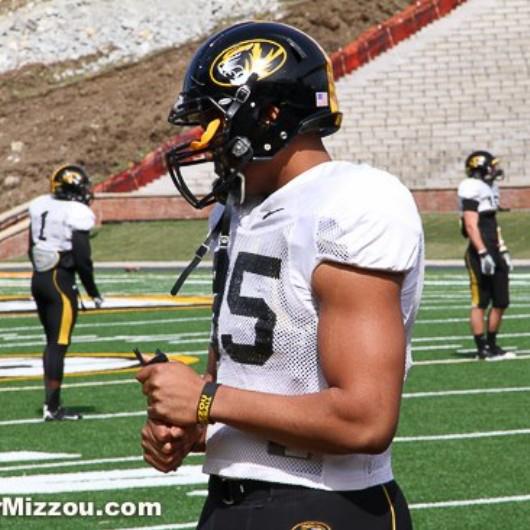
251,88
71,183
484,166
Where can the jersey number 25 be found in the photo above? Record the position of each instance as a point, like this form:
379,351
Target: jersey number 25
259,352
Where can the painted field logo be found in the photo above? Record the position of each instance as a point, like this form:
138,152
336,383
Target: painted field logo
311,525
30,365
233,66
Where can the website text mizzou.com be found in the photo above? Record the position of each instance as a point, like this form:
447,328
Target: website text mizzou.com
27,507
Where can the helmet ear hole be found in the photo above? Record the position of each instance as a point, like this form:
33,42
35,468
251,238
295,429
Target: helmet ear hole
269,115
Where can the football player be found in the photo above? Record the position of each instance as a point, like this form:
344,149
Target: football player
487,258
59,247
318,276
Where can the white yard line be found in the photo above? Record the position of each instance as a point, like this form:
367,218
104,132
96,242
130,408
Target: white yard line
469,392
405,395
437,347
70,385
519,357
466,319
176,320
77,463
174,338
197,493
32,456
461,436
102,480
425,307
469,502
466,337
28,421
458,283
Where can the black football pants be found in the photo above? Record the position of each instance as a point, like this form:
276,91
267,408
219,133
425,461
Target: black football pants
486,290
255,505
56,298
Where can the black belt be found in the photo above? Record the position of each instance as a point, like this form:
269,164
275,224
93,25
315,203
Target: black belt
233,491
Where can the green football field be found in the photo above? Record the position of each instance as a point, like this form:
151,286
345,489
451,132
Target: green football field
461,453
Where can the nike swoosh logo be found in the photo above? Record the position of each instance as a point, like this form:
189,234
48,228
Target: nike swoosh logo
271,212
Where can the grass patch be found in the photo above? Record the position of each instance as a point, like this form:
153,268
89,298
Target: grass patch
443,239
178,240
148,241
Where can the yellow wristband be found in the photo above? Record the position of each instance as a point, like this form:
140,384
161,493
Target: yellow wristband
205,402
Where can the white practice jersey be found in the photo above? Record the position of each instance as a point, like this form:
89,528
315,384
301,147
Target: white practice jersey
477,190
267,325
53,221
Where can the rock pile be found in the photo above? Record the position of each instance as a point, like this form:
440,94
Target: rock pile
103,32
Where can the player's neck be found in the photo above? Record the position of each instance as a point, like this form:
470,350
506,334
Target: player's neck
303,153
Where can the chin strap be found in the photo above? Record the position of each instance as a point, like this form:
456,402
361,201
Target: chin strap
221,255
221,229
199,254
221,264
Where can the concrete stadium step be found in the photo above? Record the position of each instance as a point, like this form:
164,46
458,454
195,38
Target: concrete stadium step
198,178
459,84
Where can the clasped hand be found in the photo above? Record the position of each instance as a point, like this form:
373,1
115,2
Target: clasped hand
171,431
173,391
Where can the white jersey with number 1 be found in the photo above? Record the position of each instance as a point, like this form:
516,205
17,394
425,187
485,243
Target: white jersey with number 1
53,221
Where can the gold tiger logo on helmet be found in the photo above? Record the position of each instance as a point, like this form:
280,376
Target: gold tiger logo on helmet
70,177
476,161
233,66
64,175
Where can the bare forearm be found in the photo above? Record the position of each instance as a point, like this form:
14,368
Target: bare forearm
312,422
474,236
471,219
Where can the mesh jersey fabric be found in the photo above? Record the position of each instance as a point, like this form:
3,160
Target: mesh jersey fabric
268,318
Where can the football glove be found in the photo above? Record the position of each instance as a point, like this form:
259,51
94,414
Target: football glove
507,259
98,301
487,263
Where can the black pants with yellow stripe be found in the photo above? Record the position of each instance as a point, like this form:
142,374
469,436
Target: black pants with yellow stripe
486,290
257,505
56,298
